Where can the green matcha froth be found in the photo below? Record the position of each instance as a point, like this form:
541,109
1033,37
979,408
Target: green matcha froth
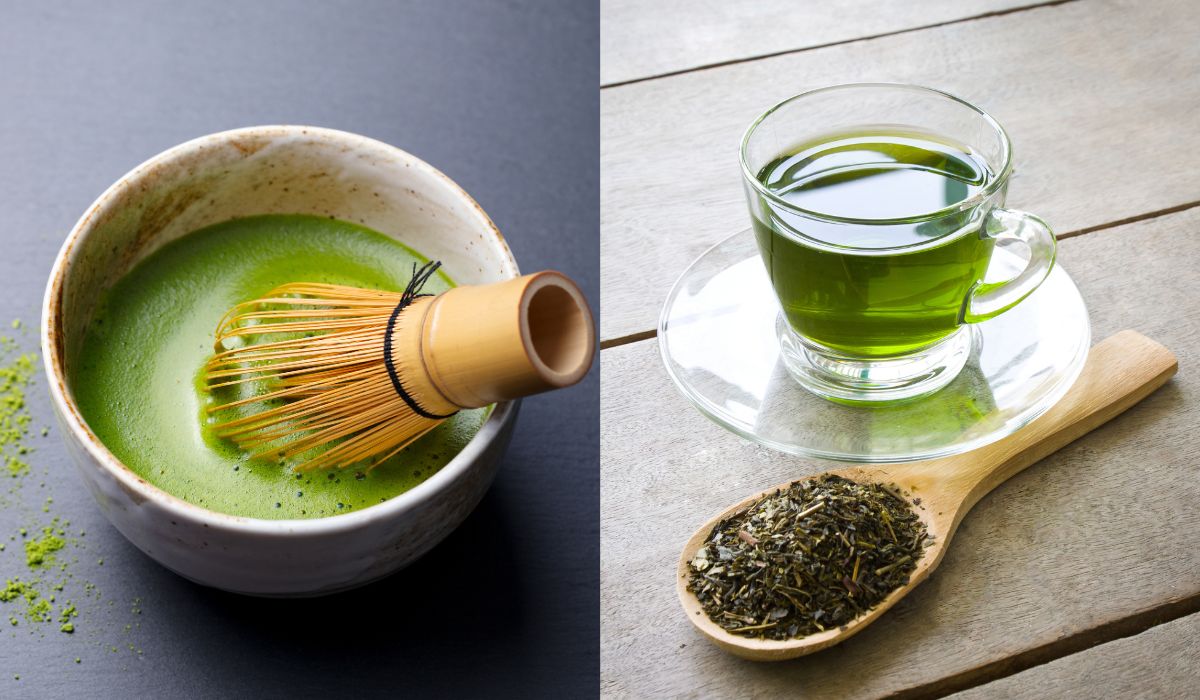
137,381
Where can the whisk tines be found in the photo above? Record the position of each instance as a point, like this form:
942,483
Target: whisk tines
299,374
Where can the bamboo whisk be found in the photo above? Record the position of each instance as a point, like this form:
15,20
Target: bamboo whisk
333,375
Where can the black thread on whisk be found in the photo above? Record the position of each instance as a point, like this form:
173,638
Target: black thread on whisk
411,293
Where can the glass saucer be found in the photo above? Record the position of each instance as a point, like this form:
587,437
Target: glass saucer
718,340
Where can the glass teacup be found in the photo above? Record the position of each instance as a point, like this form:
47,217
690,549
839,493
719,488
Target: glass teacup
877,208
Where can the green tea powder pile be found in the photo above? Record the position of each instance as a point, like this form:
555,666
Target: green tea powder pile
807,558
14,417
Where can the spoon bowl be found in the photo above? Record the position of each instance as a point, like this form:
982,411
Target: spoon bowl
1120,371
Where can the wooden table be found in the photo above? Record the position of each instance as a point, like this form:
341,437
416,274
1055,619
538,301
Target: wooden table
1079,577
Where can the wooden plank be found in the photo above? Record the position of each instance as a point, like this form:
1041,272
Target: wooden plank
639,39
1104,530
1099,97
1162,662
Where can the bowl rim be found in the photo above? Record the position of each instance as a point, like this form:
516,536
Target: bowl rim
139,488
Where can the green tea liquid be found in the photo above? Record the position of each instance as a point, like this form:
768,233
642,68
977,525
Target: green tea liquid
138,384
873,289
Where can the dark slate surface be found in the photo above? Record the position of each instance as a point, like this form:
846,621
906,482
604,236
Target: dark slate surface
502,97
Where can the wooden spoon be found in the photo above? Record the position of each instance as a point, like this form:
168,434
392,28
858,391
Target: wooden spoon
1119,372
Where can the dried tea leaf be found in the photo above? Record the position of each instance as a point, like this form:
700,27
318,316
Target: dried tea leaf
806,558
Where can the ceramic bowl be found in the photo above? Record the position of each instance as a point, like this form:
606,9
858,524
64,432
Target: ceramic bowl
265,170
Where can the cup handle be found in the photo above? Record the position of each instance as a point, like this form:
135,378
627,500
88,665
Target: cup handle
989,299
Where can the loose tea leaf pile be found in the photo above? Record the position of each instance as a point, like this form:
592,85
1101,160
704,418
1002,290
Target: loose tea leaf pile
807,558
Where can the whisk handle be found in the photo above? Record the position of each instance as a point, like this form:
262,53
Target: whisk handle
494,342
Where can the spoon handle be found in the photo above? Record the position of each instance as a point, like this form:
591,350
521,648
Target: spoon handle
1120,371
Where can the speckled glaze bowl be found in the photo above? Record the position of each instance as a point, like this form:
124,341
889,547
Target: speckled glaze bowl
265,170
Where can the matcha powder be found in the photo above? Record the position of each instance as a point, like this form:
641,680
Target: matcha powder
36,599
36,559
14,418
39,552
